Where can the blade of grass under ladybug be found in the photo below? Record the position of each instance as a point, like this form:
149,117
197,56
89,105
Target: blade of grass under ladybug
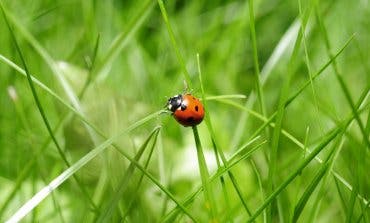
107,212
174,44
210,204
213,138
216,147
230,163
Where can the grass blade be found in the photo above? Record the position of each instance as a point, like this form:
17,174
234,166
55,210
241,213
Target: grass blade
42,112
340,78
53,185
230,163
260,96
102,69
280,114
204,175
134,194
117,196
310,189
340,129
215,145
174,44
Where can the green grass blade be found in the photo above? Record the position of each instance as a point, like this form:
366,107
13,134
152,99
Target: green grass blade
340,78
279,116
46,57
215,145
260,94
230,163
291,177
302,165
56,71
95,128
307,59
295,140
102,69
33,90
135,192
309,190
320,71
260,185
230,96
91,65
283,47
174,44
213,138
204,175
42,112
107,213
54,184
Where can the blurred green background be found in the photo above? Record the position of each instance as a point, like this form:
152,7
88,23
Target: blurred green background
114,62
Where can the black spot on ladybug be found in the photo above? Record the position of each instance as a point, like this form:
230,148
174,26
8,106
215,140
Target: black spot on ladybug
196,108
190,119
183,107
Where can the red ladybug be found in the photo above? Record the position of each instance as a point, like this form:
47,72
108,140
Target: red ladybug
186,109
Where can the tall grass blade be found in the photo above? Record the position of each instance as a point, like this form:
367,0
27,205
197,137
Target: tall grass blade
339,76
102,69
324,142
107,213
230,163
215,145
260,94
42,111
54,184
204,175
309,190
174,44
280,114
135,193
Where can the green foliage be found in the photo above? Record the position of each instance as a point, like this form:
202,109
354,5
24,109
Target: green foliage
285,85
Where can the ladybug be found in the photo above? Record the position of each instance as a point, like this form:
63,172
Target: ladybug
186,109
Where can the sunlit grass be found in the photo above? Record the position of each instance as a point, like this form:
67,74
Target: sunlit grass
285,88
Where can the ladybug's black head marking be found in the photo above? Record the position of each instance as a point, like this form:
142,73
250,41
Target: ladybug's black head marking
174,103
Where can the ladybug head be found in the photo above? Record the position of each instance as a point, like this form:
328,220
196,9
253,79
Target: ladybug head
174,102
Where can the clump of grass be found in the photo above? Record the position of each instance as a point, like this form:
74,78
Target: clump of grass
83,125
